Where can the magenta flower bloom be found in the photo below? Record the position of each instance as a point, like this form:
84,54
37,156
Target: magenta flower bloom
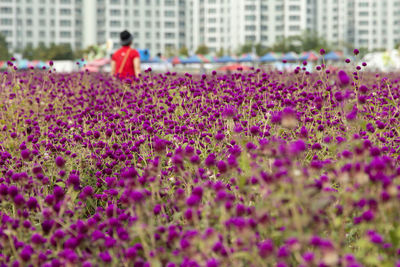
343,78
60,162
25,154
265,248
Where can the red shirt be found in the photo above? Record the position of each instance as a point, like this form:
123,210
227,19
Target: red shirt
118,57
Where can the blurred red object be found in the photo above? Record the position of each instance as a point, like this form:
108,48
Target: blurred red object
234,67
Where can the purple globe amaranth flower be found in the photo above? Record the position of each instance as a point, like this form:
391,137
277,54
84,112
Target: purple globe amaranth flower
322,51
229,112
193,200
368,215
26,253
38,239
339,96
308,256
25,154
352,115
73,180
363,89
210,160
221,165
219,136
265,248
356,51
60,162
131,253
376,238
254,130
297,147
105,256
303,132
212,263
344,79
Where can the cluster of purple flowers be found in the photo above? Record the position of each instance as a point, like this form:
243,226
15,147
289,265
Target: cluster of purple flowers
253,169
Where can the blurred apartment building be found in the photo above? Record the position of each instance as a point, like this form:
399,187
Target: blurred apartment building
162,25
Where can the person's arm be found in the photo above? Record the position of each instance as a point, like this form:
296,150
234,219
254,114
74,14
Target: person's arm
136,65
112,67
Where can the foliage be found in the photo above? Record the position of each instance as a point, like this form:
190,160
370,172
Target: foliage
202,50
246,48
308,41
183,51
4,53
251,169
54,52
220,52
259,49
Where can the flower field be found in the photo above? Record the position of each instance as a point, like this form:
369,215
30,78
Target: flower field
246,169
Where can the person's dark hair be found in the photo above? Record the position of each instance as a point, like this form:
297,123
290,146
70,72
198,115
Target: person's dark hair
126,38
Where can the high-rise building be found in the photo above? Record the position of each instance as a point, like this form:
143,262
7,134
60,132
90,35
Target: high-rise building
31,22
229,24
168,25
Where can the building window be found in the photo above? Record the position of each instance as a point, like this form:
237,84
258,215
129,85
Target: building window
250,38
6,22
294,18
65,23
115,23
65,34
169,24
250,8
250,18
6,10
169,13
294,28
169,35
115,12
294,8
65,11
250,28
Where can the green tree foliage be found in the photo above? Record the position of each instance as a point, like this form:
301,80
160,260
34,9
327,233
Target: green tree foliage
202,50
54,52
309,40
221,52
4,53
247,48
183,51
261,50
28,52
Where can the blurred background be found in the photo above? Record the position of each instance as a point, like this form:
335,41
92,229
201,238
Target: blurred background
199,35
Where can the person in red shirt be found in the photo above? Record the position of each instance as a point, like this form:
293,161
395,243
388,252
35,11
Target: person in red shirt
125,62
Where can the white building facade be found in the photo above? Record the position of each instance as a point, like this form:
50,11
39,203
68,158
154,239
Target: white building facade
168,25
30,22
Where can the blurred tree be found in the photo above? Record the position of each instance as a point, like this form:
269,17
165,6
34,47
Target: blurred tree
246,48
4,53
261,50
54,52
183,51
28,52
60,52
41,52
309,40
220,52
202,50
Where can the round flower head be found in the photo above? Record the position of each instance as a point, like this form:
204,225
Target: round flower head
60,162
343,78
